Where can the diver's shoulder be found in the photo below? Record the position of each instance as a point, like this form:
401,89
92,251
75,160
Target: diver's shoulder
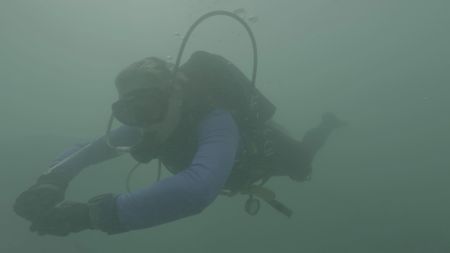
219,113
219,117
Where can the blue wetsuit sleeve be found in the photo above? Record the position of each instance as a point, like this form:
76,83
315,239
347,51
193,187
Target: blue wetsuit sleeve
191,190
80,156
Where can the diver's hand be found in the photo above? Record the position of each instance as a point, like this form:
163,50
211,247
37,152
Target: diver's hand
66,218
99,213
46,193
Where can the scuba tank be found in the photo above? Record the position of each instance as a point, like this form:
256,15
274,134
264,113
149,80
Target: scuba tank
229,87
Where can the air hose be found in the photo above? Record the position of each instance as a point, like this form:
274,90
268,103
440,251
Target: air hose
212,14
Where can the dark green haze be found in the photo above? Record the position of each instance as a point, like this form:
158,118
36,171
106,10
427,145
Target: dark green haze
381,184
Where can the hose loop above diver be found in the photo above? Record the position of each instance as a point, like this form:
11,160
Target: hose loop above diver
219,13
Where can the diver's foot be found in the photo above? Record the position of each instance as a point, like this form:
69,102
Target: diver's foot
330,120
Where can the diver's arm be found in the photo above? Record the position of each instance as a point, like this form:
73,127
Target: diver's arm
49,189
75,159
181,195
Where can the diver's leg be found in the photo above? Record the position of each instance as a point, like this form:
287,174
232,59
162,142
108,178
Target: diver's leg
316,137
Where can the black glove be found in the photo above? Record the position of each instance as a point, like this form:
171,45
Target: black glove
99,213
66,218
48,191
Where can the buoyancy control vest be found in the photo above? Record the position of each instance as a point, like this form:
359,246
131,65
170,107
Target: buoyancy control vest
213,82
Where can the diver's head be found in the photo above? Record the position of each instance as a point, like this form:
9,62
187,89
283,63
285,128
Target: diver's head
145,90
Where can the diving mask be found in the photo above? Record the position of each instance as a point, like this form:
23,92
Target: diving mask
141,108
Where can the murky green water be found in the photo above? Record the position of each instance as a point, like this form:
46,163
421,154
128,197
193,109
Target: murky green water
380,185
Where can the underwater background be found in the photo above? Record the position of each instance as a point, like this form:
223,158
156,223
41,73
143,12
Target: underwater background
381,184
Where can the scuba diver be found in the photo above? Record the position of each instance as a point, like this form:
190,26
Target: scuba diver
196,128
205,121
